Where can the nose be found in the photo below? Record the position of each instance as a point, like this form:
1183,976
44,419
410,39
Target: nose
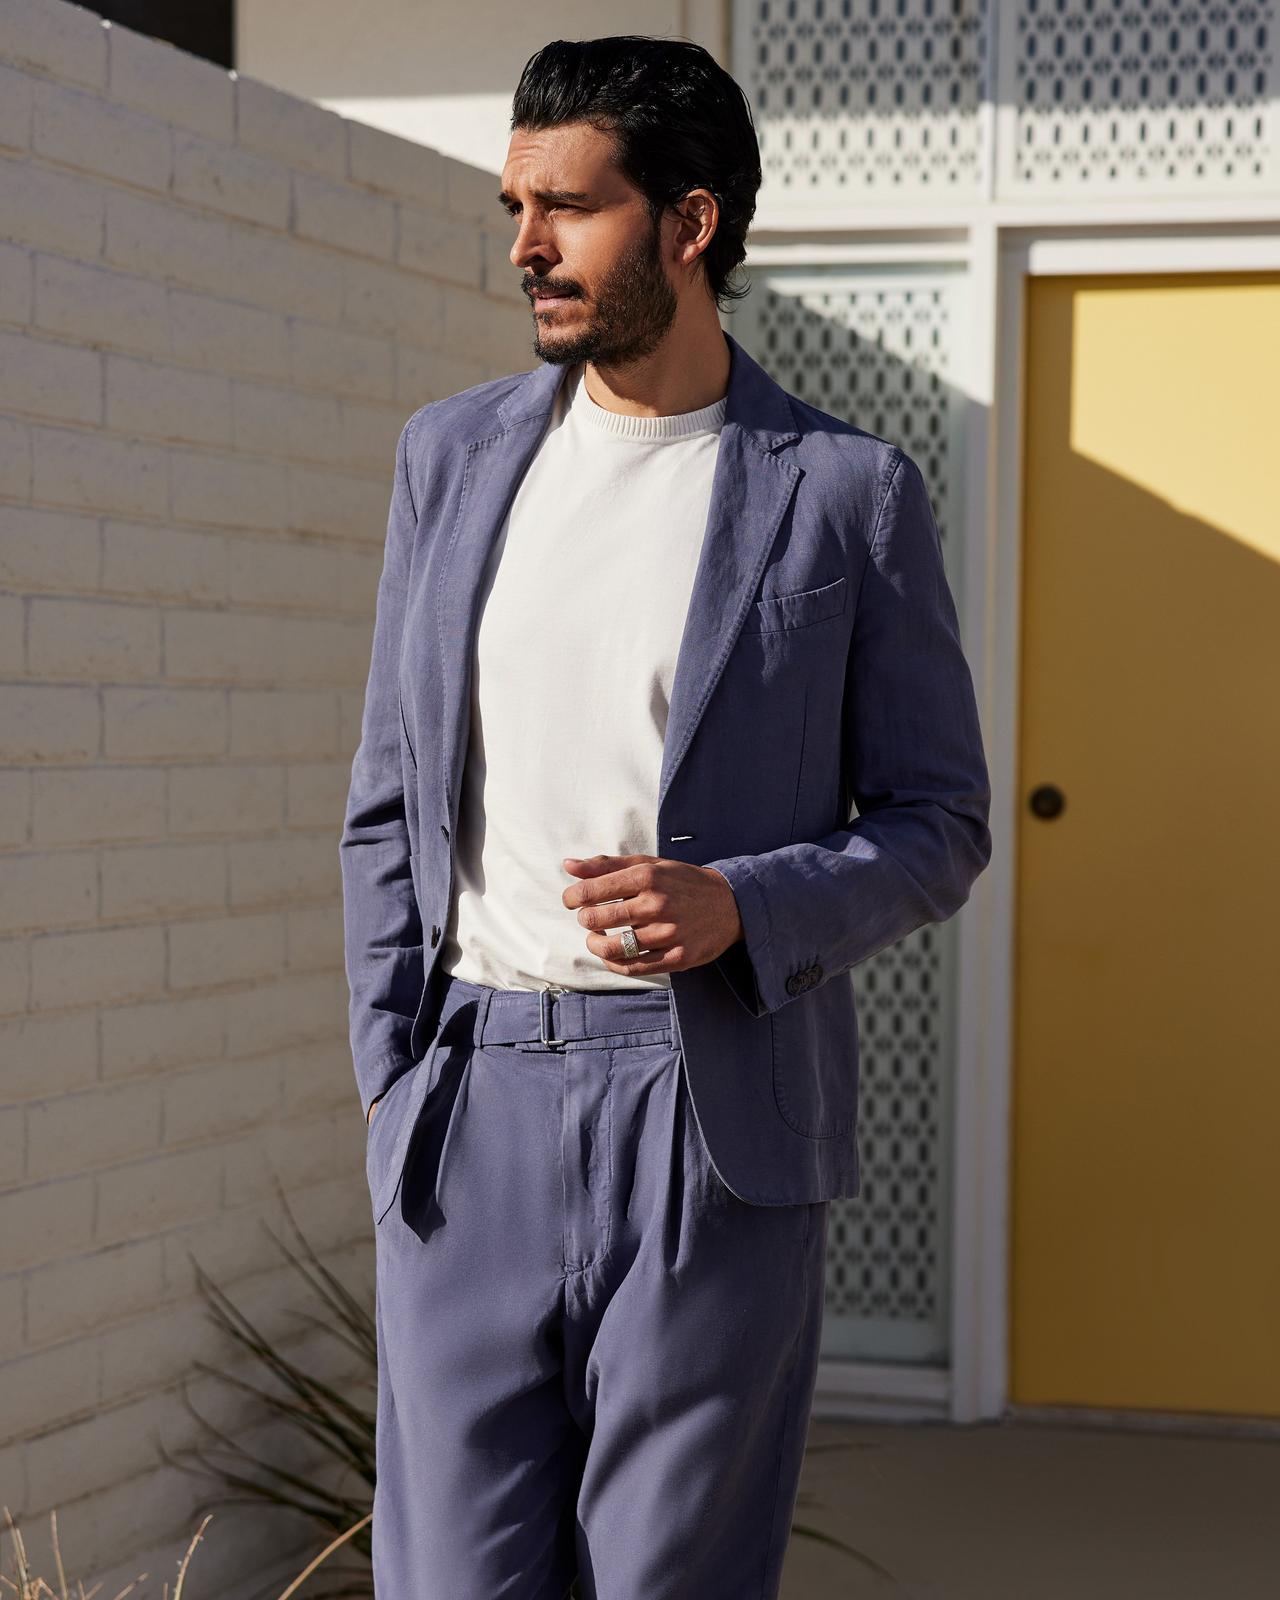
532,244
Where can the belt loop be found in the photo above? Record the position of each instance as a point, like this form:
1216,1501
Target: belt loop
482,1011
544,1012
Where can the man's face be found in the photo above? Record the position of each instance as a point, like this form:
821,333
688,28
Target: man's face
584,233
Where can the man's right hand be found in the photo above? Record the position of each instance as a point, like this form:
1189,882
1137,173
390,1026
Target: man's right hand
372,1108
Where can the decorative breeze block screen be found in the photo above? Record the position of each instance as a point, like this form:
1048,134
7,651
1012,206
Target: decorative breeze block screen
859,100
1124,97
877,101
878,349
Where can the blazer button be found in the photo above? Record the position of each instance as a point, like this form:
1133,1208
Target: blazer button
817,973
795,983
435,937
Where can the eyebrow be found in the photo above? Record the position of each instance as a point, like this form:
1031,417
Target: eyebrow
547,196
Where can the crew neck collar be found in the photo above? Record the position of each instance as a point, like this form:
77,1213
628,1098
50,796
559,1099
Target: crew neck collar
620,425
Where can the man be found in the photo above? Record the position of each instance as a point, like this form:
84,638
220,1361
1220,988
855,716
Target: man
638,596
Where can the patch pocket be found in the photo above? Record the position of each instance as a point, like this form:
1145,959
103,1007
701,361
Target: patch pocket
815,1092
798,610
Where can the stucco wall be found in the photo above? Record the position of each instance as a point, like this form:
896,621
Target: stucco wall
218,303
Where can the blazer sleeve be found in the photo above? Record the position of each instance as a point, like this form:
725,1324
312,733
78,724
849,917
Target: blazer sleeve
915,768
382,926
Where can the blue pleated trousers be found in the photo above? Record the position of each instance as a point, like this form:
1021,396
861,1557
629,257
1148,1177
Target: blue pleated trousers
593,1358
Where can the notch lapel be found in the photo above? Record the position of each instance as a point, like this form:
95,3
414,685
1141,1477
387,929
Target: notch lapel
750,491
491,474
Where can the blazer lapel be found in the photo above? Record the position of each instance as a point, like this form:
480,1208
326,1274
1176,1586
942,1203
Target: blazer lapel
750,491
492,472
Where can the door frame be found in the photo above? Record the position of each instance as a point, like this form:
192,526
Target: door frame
1003,258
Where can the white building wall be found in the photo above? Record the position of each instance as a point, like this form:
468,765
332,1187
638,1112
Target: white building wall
920,161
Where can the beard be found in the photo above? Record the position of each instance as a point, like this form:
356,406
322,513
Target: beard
634,308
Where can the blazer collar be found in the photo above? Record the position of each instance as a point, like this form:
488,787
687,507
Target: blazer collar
751,488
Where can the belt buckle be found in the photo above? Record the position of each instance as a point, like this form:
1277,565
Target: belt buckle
544,997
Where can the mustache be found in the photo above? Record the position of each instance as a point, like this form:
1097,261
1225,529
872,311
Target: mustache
538,286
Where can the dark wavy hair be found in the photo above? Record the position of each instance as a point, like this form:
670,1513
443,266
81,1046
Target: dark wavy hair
678,120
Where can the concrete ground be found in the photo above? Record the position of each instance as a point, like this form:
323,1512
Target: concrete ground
1030,1511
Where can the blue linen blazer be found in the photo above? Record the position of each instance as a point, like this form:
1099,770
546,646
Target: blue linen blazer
820,669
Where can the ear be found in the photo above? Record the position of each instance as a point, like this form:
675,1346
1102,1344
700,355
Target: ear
699,214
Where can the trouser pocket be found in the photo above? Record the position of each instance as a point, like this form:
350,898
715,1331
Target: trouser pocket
423,1121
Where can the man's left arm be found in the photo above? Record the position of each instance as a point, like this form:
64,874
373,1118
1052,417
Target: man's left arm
916,771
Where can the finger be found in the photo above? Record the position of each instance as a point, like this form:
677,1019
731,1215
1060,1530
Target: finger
593,866
611,884
615,913
609,946
654,962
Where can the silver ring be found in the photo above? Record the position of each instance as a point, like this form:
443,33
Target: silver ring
630,944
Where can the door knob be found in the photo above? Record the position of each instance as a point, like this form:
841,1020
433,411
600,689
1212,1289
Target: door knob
1047,800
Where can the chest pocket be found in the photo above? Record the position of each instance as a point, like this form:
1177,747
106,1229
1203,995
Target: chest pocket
800,609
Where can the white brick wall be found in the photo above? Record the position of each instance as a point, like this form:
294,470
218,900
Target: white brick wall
218,303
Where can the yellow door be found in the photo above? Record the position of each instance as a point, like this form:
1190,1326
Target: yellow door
1145,1243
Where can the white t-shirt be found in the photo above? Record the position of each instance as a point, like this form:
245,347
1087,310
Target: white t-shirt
587,591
